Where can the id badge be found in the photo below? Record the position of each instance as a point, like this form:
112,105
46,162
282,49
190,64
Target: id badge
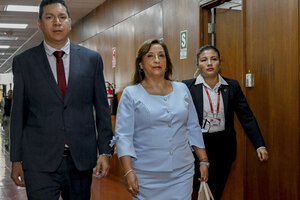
206,126
215,122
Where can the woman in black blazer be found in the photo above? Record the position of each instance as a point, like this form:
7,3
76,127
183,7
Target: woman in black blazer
216,99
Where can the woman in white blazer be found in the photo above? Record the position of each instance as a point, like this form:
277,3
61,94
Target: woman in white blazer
157,128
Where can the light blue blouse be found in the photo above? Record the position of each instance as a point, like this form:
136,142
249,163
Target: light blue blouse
157,131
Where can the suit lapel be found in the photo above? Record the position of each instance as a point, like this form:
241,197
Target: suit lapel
74,67
225,93
197,91
46,69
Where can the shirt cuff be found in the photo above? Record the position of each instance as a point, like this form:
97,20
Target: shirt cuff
262,147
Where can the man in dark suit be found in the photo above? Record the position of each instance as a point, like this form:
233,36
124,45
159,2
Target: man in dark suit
216,100
60,116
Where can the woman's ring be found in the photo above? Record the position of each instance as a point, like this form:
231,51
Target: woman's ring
130,188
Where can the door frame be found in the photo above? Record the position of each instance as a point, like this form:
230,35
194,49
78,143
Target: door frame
205,17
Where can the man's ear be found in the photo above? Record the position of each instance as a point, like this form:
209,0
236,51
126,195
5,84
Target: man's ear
70,23
39,23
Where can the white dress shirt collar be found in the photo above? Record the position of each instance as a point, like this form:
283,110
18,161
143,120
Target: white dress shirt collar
221,81
50,50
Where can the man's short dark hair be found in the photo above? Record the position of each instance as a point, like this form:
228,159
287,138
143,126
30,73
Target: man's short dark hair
48,2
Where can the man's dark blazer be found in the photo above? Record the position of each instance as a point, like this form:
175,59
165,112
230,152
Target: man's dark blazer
234,102
41,119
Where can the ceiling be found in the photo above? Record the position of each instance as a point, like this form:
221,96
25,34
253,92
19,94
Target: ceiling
233,4
31,36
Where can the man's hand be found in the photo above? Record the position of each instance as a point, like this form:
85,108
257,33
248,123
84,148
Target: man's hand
102,166
17,174
262,154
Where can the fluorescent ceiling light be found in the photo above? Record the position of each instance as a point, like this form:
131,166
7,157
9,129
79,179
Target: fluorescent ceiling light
16,26
20,8
5,54
8,38
4,46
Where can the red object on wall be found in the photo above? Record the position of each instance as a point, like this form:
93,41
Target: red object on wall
112,98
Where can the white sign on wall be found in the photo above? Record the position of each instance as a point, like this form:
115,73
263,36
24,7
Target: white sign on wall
183,44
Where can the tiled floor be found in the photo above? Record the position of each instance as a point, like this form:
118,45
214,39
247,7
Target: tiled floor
8,190
105,189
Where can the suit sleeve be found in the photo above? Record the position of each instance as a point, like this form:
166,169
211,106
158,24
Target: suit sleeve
247,118
103,118
17,113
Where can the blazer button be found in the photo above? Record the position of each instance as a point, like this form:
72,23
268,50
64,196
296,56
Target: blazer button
65,107
62,129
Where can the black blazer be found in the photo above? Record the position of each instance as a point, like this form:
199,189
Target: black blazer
234,102
41,119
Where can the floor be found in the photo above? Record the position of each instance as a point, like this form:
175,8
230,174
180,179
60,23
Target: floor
104,189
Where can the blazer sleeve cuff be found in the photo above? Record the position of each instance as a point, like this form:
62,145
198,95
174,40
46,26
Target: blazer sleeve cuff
125,148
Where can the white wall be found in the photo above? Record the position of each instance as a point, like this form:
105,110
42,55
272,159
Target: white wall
6,79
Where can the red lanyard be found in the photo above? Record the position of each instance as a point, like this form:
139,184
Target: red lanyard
210,102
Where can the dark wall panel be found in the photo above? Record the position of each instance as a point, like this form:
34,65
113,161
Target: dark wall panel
124,43
124,9
104,46
272,54
103,17
76,34
103,43
110,13
148,24
181,15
